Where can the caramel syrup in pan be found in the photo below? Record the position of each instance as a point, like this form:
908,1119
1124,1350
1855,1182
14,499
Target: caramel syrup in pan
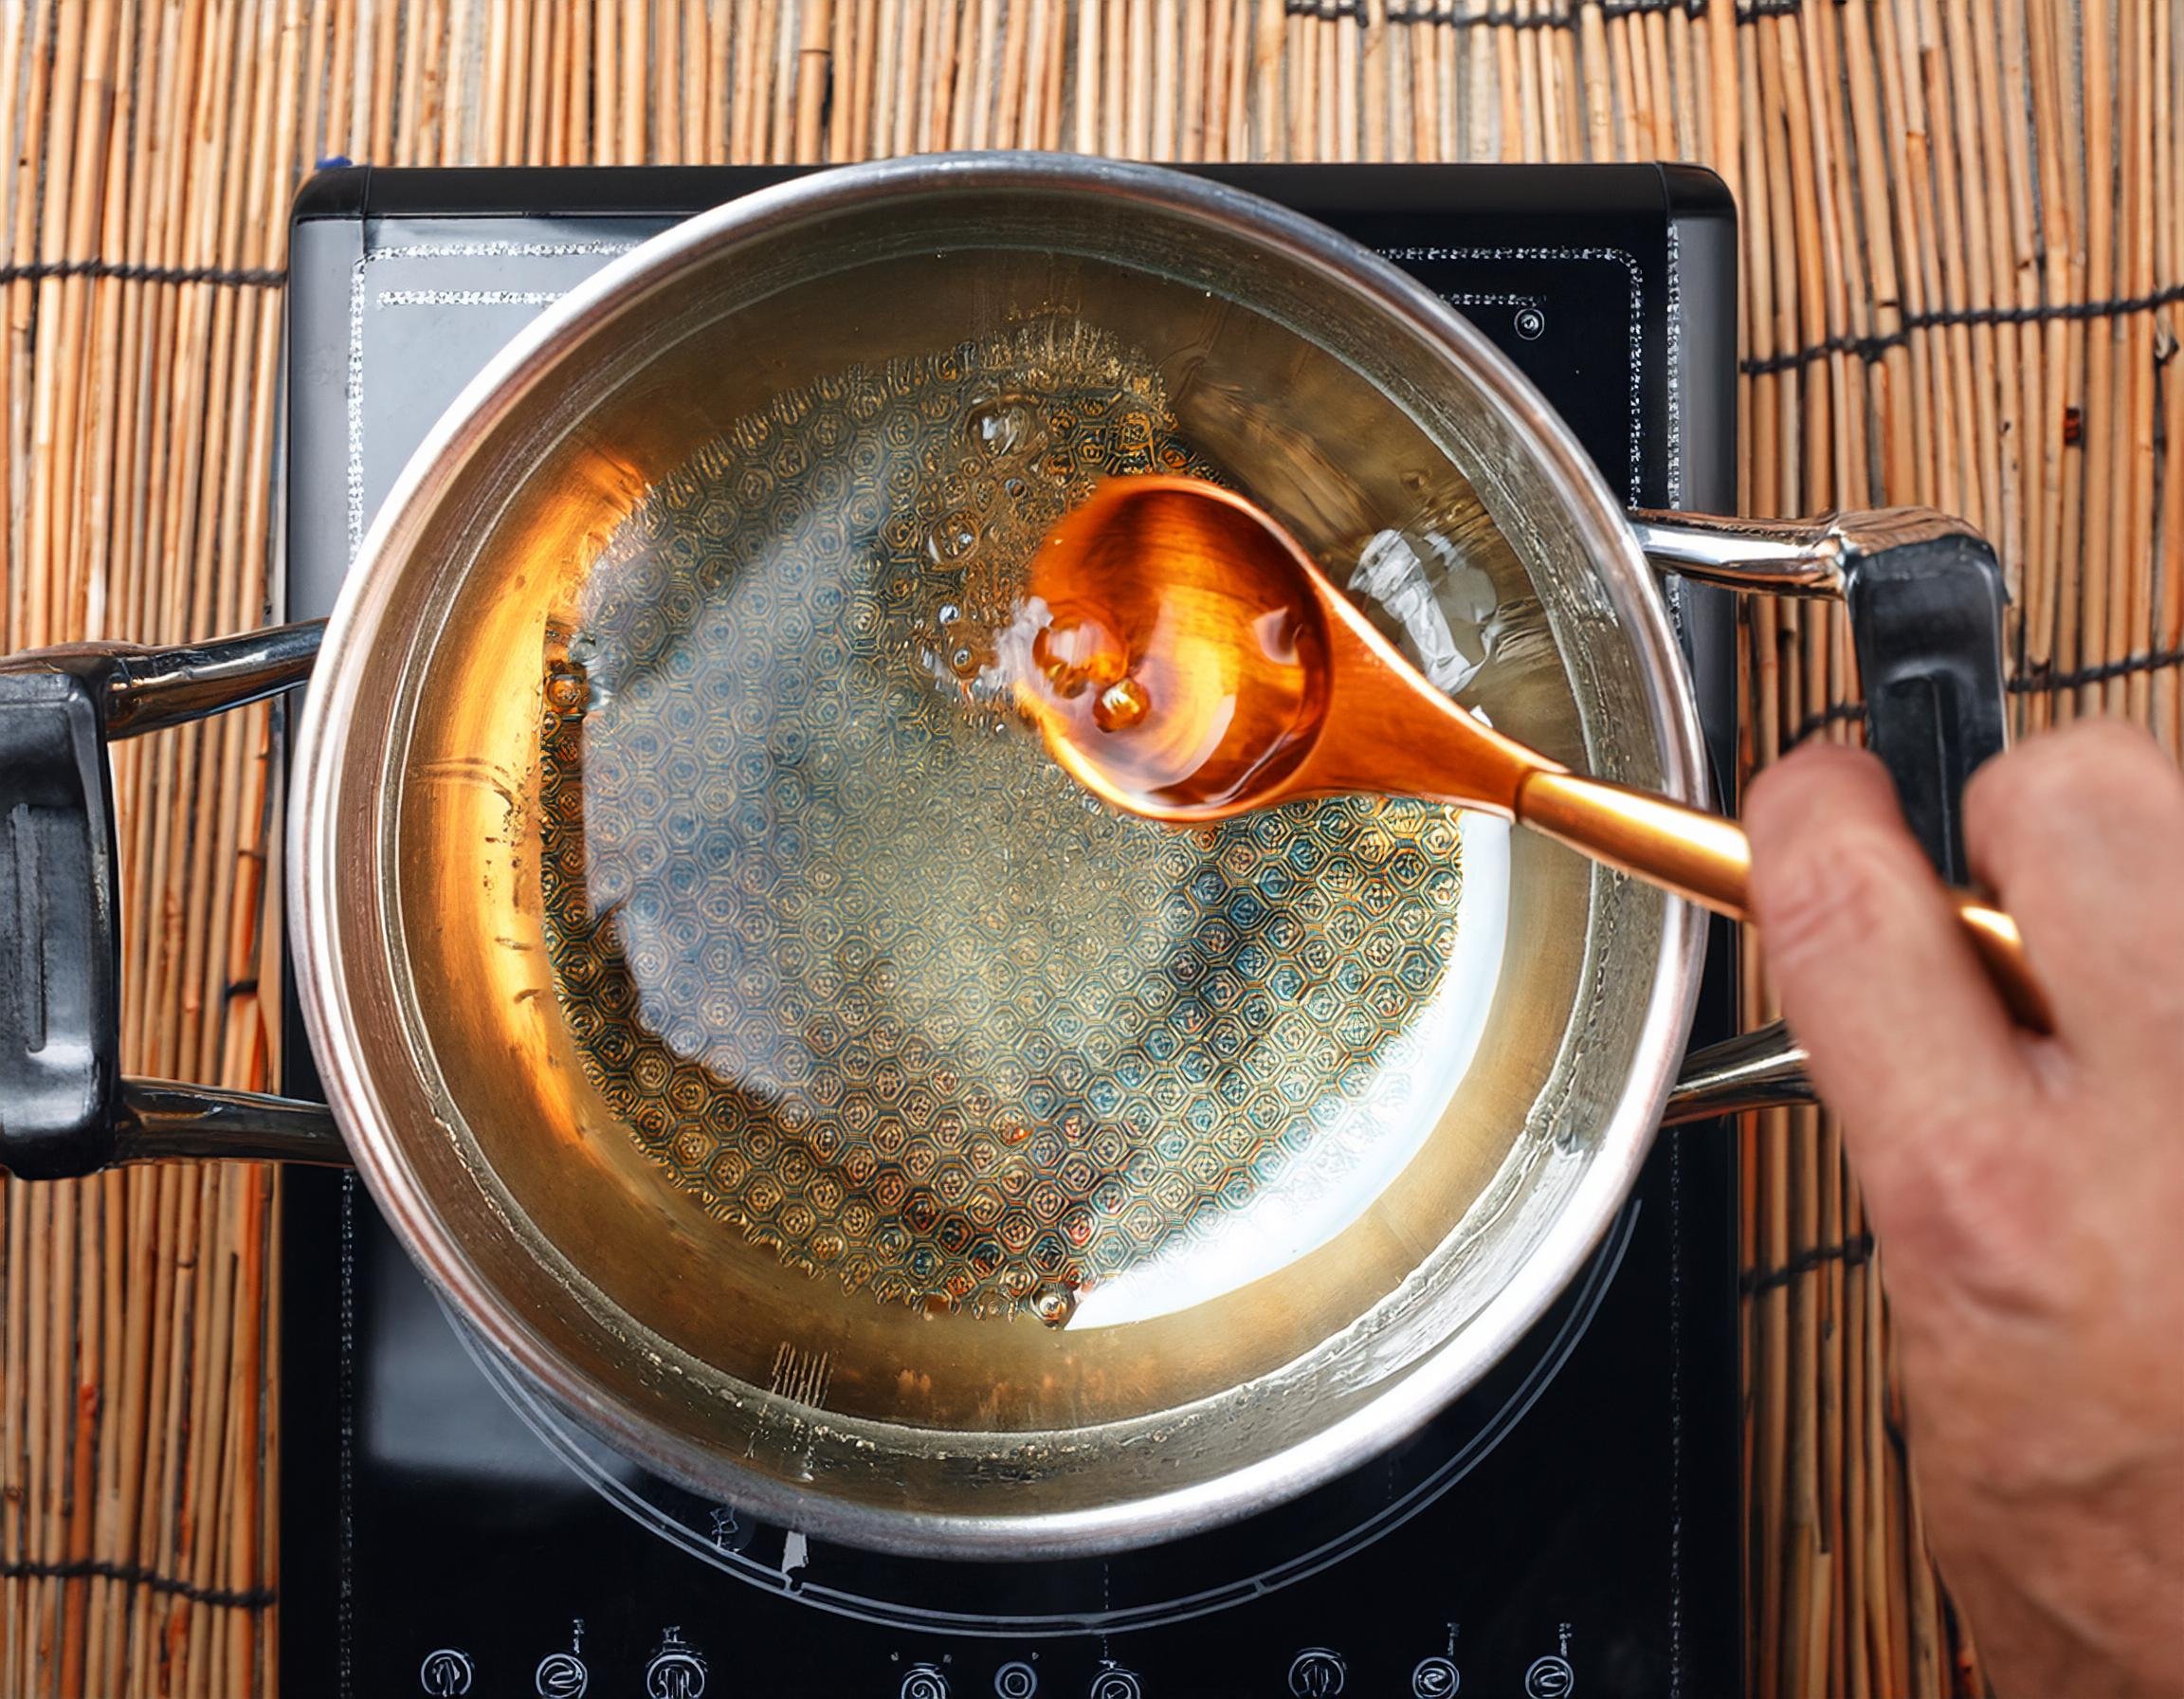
874,980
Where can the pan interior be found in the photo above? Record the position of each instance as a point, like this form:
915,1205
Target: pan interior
825,1038
870,977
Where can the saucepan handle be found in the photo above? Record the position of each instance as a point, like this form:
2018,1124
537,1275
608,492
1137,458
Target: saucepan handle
1924,597
64,1108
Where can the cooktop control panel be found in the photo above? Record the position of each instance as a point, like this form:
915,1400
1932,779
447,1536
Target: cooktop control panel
677,1668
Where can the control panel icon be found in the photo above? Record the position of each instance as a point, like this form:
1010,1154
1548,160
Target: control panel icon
1316,1673
924,1681
1435,1678
445,1673
561,1675
1015,1680
676,1670
1550,1677
1115,1682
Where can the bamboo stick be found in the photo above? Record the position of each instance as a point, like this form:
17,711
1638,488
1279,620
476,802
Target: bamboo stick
2168,704
1139,101
1237,88
45,578
1225,57
2100,358
1089,63
1690,116
1053,60
1904,115
812,61
2044,565
1114,67
1330,79
16,1505
963,96
1190,132
1267,129
1163,28
780,142
47,1276
1322,84
2131,610
1457,52
1032,120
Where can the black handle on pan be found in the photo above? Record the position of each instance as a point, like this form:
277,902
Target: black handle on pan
1924,594
1926,622
64,1108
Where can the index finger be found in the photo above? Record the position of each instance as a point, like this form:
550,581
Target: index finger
1877,979
2079,830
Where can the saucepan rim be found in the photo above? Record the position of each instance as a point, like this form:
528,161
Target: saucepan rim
318,883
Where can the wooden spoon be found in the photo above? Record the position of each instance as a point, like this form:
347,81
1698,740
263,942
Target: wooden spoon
1187,661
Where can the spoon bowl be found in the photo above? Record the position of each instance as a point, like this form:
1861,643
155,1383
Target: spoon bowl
1170,672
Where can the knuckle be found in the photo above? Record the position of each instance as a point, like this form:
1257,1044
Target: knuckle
1962,1207
2121,767
2033,809
1980,1226
2114,742
2015,783
2083,759
1830,896
1810,793
1814,769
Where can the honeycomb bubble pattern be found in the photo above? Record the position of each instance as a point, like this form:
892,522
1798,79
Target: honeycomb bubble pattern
851,960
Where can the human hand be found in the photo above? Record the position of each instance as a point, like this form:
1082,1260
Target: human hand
2027,1192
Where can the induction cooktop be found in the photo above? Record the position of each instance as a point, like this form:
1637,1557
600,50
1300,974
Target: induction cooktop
1571,1527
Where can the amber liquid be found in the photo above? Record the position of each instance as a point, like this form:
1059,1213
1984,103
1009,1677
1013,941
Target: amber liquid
1158,663
863,971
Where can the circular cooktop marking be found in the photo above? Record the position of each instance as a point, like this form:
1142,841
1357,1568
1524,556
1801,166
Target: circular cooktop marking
561,1675
924,1681
675,1673
819,1575
445,1673
1318,1673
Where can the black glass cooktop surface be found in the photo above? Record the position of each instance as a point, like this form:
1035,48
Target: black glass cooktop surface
1571,1527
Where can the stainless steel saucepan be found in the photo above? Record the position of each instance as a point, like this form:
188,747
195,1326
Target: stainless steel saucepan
759,1046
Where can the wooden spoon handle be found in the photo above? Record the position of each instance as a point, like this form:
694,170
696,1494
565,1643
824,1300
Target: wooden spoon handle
1708,859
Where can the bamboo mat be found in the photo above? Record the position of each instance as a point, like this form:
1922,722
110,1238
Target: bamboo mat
1963,284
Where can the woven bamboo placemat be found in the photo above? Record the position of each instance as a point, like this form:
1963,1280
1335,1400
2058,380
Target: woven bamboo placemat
1963,269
